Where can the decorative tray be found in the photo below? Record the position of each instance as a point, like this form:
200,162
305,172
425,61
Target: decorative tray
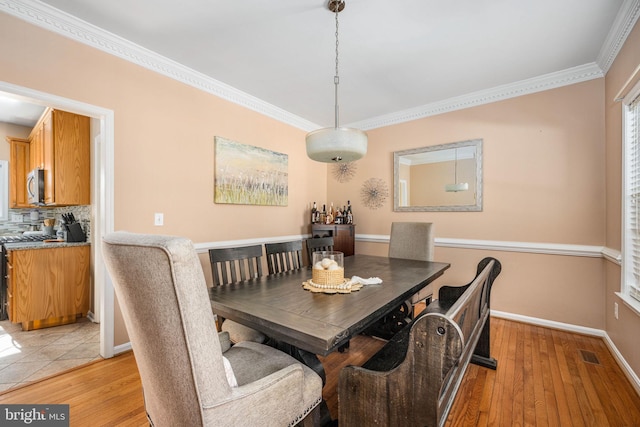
345,287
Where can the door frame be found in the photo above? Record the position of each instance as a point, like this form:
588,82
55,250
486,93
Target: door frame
102,178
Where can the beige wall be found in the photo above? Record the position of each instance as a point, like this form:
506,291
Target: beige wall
7,129
544,172
543,183
164,133
624,330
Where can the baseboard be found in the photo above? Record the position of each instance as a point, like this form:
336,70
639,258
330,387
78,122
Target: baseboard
549,323
122,348
633,378
626,368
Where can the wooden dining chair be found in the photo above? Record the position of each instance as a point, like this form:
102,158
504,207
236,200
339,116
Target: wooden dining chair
318,244
284,256
235,265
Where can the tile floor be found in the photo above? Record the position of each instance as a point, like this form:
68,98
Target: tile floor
26,356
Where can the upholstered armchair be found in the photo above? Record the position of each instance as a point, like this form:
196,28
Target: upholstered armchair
187,379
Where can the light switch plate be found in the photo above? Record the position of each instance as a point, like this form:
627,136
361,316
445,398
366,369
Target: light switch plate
158,219
16,217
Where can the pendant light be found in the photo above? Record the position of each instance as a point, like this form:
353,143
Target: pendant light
456,186
336,144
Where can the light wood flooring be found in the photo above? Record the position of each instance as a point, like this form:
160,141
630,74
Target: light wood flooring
545,377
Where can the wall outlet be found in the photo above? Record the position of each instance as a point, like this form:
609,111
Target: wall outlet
158,219
615,310
16,217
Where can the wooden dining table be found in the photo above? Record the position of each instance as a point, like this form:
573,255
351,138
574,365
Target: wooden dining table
319,323
306,324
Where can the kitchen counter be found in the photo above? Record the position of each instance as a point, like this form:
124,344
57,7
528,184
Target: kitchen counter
18,246
48,284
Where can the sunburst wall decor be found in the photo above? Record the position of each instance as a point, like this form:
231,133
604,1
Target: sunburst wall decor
343,172
374,193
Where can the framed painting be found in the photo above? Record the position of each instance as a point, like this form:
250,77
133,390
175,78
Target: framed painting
248,175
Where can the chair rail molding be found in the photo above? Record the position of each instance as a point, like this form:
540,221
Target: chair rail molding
204,247
609,254
507,246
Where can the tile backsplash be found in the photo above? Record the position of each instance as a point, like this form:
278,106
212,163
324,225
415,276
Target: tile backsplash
20,219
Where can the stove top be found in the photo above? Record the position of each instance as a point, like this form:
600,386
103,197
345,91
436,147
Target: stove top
27,238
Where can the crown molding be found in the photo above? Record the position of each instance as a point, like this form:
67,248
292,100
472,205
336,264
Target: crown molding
622,26
52,19
554,80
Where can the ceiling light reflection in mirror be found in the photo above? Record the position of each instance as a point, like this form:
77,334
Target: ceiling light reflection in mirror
446,177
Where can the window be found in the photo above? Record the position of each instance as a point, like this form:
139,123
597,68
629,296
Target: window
631,250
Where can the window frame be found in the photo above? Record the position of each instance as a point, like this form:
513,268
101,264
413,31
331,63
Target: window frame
630,286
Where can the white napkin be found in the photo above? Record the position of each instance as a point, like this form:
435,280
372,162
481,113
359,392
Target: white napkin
369,281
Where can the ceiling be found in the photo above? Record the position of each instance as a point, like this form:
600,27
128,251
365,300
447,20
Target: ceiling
396,58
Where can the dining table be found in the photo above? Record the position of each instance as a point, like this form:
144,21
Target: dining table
306,324
278,305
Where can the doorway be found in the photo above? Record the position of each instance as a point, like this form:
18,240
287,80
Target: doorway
102,172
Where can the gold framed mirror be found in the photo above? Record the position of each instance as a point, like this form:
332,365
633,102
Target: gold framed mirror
446,177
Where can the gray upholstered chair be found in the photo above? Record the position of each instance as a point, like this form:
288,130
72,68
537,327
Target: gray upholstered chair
234,265
166,308
413,240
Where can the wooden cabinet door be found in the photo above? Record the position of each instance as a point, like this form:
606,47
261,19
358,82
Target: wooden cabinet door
344,239
50,283
18,170
71,160
77,262
10,303
48,158
36,147
343,236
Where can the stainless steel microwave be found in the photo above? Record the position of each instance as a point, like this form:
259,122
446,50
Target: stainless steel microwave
35,187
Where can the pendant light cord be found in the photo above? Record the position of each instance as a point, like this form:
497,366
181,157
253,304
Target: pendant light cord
336,78
455,167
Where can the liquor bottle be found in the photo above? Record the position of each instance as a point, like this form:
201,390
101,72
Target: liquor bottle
338,219
323,214
314,211
349,213
332,214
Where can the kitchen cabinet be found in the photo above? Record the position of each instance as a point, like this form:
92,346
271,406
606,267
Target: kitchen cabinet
344,236
18,169
48,286
36,139
60,144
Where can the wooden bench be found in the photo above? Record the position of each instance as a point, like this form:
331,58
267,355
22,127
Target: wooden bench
414,378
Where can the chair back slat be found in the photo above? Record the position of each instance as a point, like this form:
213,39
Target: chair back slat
232,265
318,244
285,256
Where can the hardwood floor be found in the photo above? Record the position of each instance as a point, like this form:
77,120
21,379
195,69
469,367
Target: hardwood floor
545,377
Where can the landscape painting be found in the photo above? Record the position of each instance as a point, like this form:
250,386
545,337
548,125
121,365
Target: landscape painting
248,175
